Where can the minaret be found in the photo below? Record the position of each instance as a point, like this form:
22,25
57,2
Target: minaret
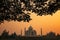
41,31
21,32
25,31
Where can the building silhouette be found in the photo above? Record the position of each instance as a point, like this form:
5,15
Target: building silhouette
30,32
41,31
21,32
31,35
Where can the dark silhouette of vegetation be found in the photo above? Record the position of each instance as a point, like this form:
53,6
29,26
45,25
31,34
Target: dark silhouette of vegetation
49,36
14,9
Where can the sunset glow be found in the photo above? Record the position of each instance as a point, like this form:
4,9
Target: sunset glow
47,23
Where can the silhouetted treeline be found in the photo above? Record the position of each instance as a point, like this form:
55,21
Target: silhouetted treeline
49,36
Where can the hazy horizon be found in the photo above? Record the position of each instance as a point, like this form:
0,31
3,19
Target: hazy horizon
47,23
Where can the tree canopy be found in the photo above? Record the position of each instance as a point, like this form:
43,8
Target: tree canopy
15,9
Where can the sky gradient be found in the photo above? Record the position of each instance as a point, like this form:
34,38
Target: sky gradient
47,23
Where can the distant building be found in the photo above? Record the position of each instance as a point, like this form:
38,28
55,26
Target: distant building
41,31
30,32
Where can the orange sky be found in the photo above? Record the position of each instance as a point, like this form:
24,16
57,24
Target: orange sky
47,23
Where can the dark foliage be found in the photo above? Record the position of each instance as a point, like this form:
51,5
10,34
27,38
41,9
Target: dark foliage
14,9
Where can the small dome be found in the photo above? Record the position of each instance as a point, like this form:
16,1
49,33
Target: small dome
30,28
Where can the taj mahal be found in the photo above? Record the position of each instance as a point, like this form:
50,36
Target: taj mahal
30,32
